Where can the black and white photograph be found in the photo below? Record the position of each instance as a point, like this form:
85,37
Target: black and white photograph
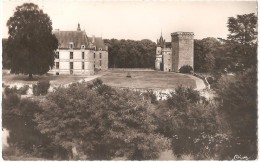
129,80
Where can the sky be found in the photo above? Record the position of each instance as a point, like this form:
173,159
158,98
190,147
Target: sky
138,19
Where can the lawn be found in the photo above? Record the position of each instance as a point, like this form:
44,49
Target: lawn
114,78
54,79
147,79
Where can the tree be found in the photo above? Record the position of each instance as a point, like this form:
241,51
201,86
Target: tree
131,54
239,103
205,51
191,123
101,122
6,61
243,39
31,45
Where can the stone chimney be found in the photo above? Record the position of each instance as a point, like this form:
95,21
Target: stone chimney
78,29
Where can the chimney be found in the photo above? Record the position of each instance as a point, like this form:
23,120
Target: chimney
78,29
93,38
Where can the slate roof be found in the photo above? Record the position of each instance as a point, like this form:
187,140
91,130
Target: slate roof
77,37
98,42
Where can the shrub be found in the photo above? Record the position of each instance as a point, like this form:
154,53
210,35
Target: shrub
186,69
210,80
101,122
41,88
190,123
23,90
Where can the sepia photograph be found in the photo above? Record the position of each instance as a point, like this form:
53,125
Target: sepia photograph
129,80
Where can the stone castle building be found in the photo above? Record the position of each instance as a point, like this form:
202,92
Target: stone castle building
79,54
171,56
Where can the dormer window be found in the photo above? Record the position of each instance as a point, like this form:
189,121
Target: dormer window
100,49
71,45
94,48
82,46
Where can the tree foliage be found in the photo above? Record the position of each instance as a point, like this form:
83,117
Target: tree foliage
205,51
5,60
101,122
30,44
242,39
193,125
130,53
239,102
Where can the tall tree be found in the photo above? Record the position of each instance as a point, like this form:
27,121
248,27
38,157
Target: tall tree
30,44
6,61
204,54
243,39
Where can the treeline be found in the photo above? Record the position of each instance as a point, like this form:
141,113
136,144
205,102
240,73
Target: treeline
130,53
235,54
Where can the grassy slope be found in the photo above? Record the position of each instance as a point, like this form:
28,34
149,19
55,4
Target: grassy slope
147,79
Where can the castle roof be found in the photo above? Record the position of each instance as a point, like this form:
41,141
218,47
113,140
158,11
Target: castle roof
98,42
182,33
161,42
66,37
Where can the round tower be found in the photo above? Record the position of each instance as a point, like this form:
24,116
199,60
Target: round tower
160,46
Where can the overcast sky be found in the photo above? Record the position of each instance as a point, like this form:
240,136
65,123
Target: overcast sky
138,20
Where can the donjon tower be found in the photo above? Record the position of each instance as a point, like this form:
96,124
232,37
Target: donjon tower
182,50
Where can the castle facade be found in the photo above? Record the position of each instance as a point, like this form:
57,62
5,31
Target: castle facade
79,54
171,56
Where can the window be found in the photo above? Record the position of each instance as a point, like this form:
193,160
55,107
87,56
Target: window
71,65
94,55
71,45
57,55
94,65
71,55
83,65
83,46
83,55
100,49
57,65
100,63
100,55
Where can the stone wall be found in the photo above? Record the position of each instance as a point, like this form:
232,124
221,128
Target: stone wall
182,49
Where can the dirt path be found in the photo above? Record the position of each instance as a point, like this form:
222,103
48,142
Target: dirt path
199,83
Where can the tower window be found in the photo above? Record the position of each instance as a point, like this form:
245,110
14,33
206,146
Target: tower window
83,55
71,55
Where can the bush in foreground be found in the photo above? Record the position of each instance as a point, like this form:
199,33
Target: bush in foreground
41,88
101,122
194,126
